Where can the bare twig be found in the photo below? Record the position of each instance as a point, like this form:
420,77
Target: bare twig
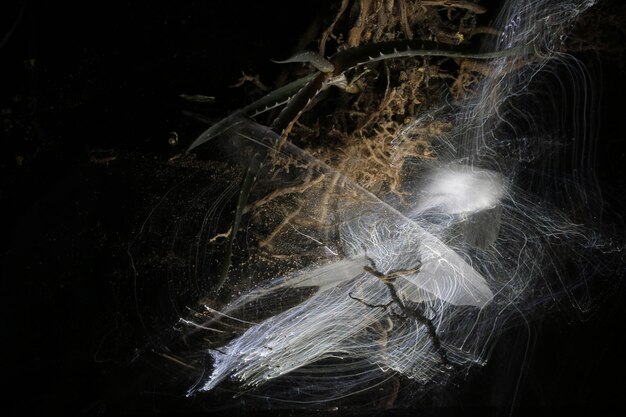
287,220
360,300
457,4
389,279
254,79
405,20
354,38
329,30
224,235
299,189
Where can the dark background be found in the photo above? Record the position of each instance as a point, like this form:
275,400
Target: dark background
89,94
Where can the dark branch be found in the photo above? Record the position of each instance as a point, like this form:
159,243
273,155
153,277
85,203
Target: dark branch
389,279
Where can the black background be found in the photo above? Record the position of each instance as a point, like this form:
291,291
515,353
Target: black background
105,81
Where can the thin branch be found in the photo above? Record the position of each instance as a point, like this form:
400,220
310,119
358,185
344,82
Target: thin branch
365,303
457,4
405,20
329,30
389,279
